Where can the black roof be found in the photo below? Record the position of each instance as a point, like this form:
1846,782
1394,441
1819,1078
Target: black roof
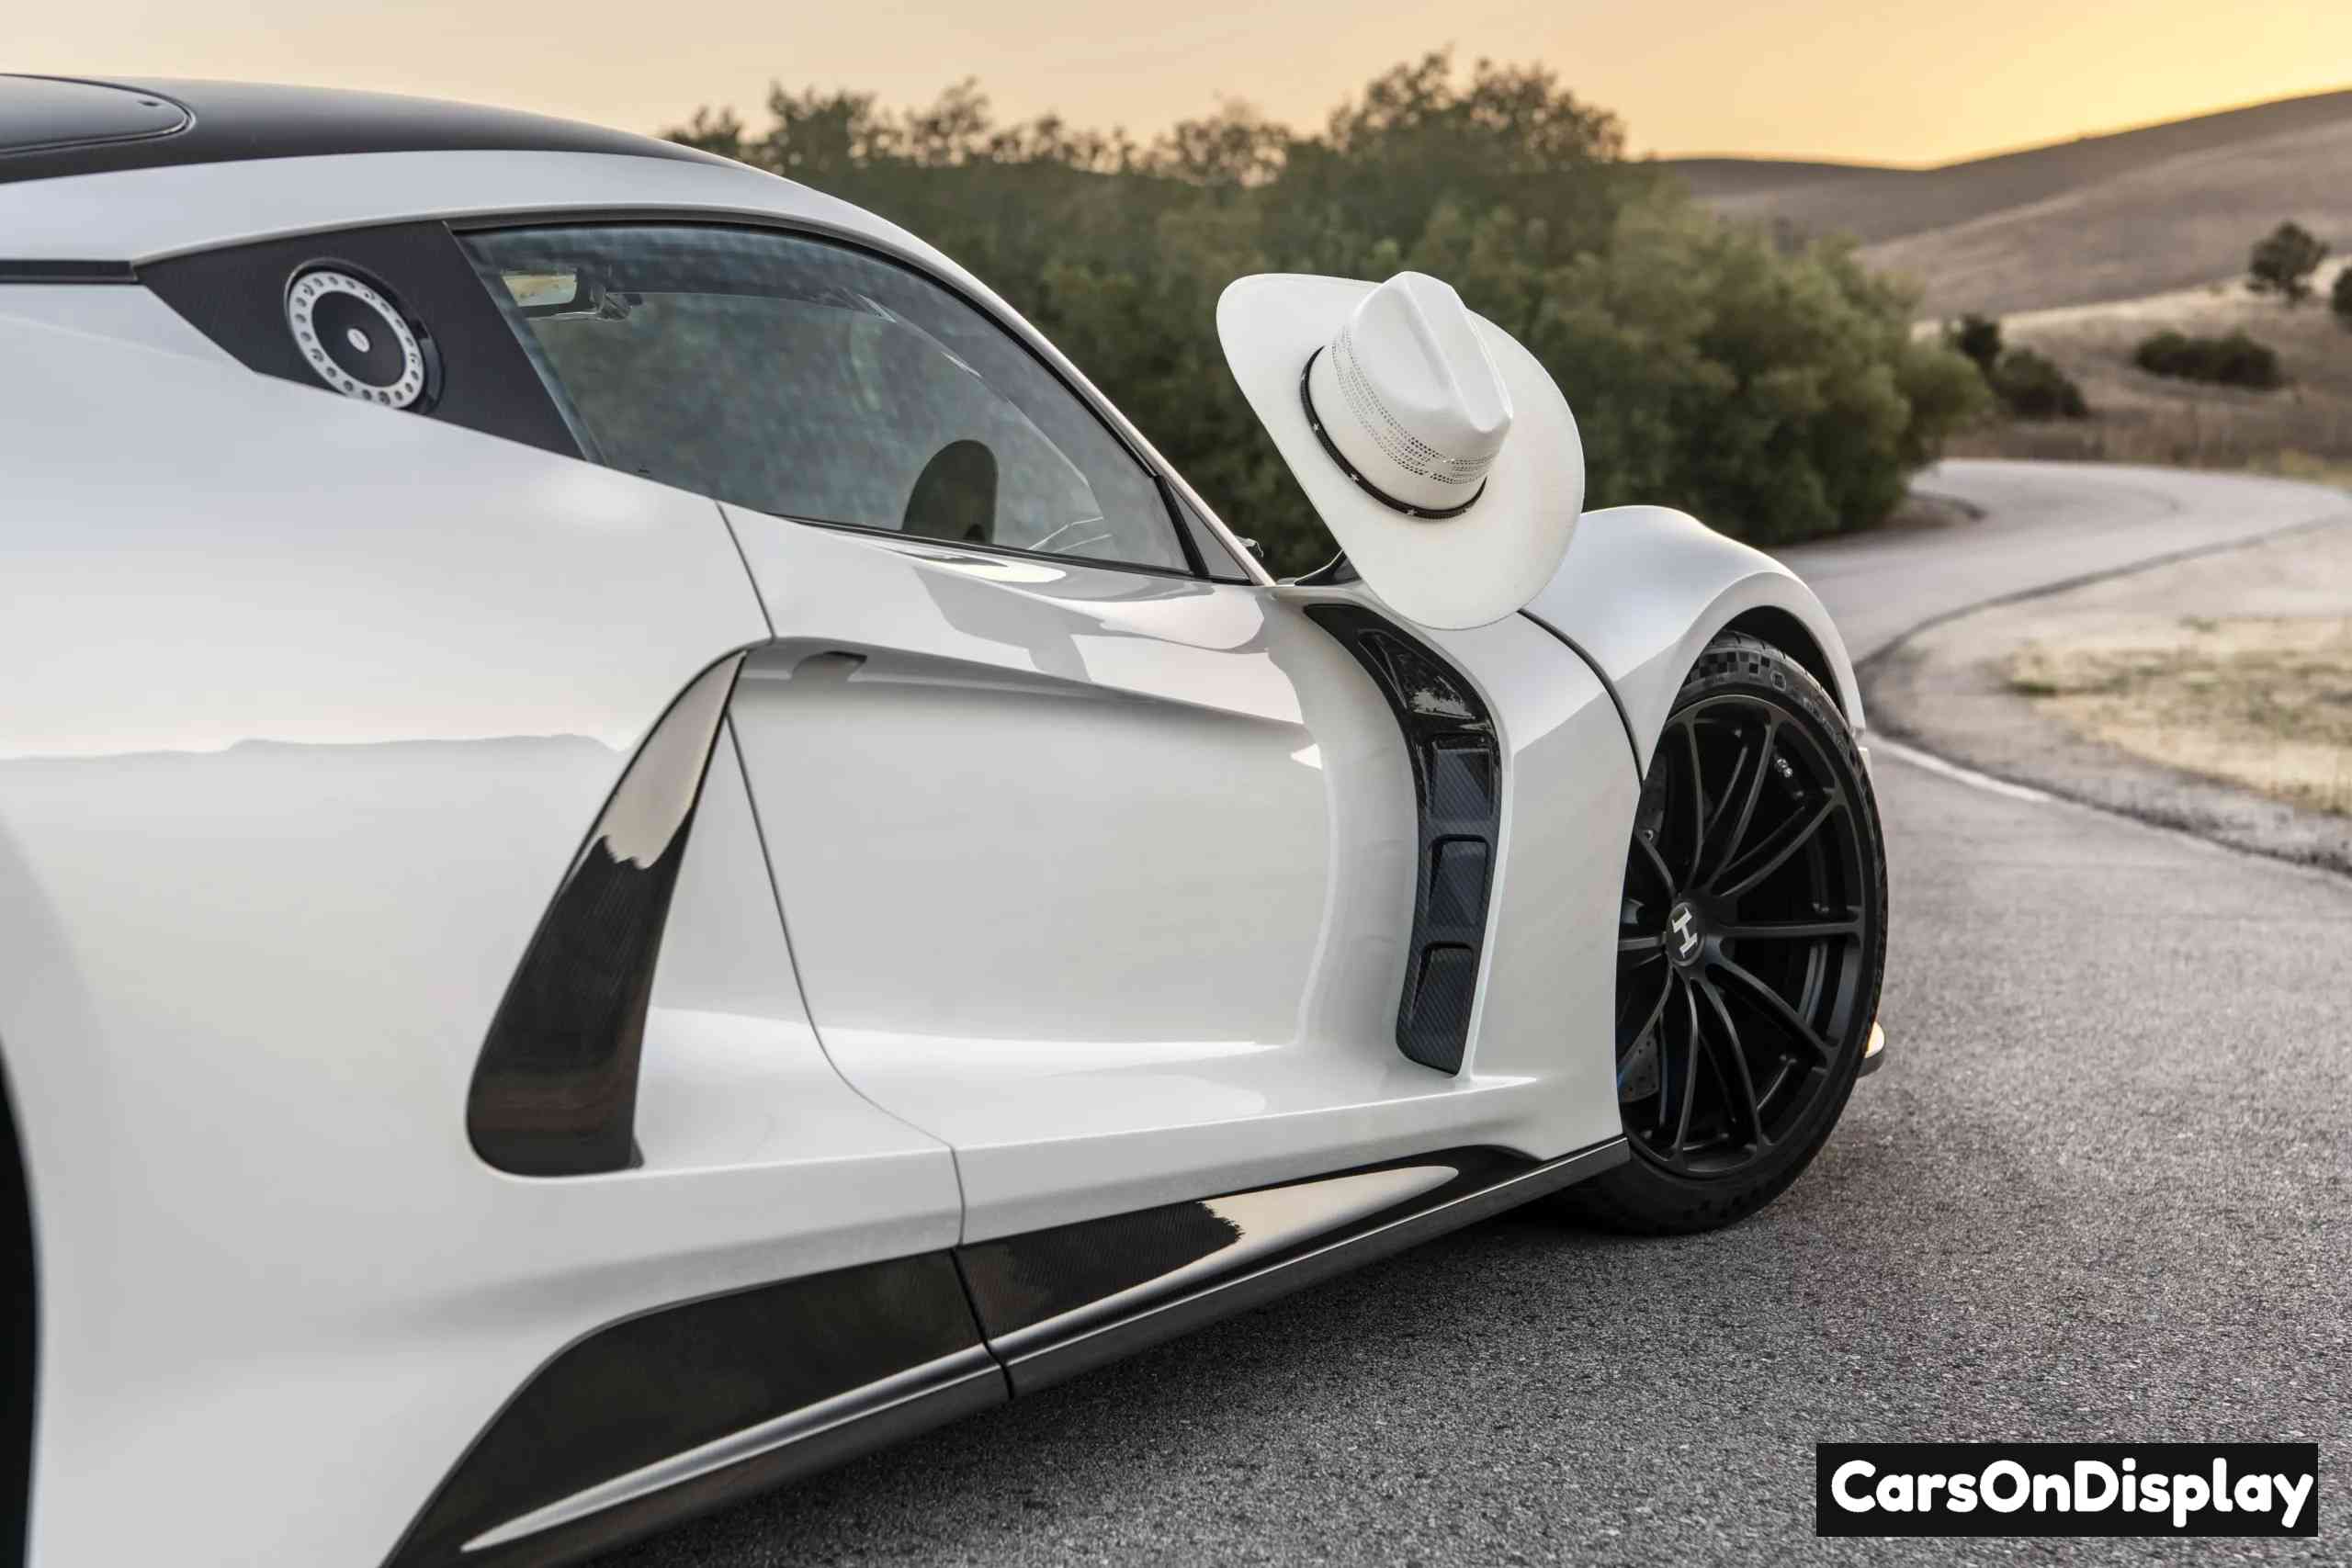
55,125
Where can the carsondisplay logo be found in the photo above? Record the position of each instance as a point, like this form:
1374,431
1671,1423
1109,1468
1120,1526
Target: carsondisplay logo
2210,1489
2005,1486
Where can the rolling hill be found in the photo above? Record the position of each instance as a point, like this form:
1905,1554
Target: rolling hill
2115,217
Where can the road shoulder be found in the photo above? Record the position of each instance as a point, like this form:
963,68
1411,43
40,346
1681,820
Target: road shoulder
1947,689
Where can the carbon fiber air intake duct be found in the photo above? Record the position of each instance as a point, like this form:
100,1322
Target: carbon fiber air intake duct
1456,759
555,1090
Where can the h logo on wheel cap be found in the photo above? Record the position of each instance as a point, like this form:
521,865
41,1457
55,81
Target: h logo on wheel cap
1684,924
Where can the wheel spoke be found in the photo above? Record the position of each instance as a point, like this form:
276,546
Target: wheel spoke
1657,864
1698,798
1734,1049
1665,989
1690,1075
1665,1085
1774,1004
1657,1010
1755,793
1787,930
1732,793
1627,946
1778,846
1659,1035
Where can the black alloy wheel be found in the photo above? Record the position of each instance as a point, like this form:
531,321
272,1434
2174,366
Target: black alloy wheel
1750,943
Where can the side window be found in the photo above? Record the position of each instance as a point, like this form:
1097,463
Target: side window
814,381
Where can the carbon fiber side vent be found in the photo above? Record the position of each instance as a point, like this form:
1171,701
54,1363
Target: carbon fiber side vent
555,1090
1457,781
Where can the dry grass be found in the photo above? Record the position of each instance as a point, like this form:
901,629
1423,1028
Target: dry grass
2102,218
2304,429
2168,227
2261,701
2298,464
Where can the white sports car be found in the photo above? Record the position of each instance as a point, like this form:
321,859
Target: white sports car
642,845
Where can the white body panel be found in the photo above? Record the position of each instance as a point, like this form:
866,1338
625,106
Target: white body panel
1551,964
105,311
1104,877
144,215
733,1075
1645,588
286,780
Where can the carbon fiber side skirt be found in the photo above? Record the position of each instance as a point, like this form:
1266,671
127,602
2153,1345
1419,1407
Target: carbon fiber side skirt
657,1417
1058,1303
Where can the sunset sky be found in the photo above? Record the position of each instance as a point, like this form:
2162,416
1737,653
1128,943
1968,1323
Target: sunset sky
1899,83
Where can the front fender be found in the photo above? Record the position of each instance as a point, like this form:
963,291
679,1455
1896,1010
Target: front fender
1644,588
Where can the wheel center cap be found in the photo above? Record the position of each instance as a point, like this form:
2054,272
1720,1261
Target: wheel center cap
1685,937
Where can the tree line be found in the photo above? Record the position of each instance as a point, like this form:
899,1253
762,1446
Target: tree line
1774,390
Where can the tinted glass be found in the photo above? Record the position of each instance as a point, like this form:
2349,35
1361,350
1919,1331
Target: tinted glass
810,380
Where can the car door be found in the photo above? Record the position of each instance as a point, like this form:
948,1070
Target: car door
1105,871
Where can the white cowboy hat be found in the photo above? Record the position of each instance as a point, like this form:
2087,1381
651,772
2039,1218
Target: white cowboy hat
1439,451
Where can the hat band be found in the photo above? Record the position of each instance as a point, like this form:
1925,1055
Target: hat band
1315,424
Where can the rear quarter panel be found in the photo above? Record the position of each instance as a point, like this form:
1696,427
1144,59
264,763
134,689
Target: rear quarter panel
309,703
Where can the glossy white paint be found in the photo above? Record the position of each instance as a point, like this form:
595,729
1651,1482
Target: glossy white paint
310,702
732,1073
112,312
1181,812
1544,1002
1098,879
1645,588
144,215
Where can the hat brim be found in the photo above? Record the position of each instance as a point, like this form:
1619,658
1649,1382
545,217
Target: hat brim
1451,573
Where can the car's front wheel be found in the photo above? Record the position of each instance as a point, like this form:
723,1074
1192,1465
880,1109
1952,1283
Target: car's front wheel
1750,943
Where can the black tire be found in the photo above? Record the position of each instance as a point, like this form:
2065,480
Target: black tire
1752,942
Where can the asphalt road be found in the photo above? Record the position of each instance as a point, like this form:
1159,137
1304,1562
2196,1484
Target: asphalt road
2100,1191
2043,523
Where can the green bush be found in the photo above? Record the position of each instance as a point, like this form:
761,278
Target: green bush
2032,387
2024,382
2232,361
1774,394
2339,298
1978,337
2283,260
